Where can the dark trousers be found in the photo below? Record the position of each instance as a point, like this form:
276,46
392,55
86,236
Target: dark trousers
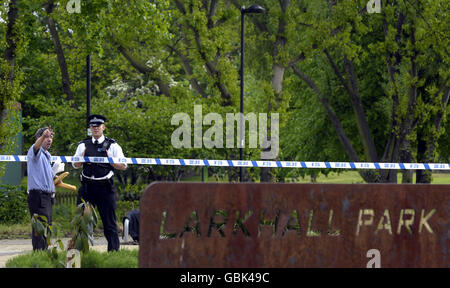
102,196
40,202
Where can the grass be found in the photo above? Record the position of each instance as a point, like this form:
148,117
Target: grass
440,178
352,177
15,231
124,258
345,177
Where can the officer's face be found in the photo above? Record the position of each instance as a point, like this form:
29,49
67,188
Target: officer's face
97,131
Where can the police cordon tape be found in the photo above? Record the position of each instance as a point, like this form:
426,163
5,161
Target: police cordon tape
239,163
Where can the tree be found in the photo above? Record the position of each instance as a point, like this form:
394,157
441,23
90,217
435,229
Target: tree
350,39
10,74
348,85
49,7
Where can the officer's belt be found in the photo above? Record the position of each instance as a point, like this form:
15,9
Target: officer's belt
107,177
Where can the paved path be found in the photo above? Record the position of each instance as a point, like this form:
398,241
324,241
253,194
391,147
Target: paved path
12,248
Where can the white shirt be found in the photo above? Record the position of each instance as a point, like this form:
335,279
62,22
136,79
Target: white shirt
114,151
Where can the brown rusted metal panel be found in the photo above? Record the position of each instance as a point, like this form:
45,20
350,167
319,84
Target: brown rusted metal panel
293,225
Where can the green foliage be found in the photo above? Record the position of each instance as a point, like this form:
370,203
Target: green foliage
40,226
39,259
15,231
397,73
123,207
62,218
131,192
13,204
83,225
116,259
152,59
35,259
13,45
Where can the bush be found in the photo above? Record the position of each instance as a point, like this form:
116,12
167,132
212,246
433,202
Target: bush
35,259
13,204
83,225
123,207
131,192
40,259
62,215
115,259
129,196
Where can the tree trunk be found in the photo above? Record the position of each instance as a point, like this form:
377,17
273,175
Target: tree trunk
233,174
208,63
426,147
144,69
9,54
422,176
49,6
368,176
119,177
7,77
351,86
277,76
406,157
189,71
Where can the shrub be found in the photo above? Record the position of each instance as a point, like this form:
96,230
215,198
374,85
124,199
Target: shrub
83,225
39,259
35,259
123,207
130,192
13,204
62,216
115,259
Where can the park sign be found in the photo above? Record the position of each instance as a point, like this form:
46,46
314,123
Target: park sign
294,225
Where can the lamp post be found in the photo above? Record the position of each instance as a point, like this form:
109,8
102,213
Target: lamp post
88,92
253,9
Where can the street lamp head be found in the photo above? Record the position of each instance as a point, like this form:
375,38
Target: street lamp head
252,9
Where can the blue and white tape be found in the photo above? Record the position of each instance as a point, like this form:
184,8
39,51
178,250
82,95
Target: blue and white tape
239,163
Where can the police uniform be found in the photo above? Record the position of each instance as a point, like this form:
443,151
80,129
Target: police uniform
97,180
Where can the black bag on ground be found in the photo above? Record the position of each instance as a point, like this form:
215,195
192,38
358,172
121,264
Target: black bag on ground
133,224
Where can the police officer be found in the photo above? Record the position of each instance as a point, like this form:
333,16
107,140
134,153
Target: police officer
97,178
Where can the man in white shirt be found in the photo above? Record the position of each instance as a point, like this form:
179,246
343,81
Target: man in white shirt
97,178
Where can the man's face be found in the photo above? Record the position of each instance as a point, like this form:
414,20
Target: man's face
47,143
97,131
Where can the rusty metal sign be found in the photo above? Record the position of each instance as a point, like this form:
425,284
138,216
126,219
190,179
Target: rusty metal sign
294,225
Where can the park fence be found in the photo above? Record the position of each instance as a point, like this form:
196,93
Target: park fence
66,198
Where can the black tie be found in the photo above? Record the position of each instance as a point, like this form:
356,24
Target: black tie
96,142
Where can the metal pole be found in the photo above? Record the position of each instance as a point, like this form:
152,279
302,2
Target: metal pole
241,137
88,91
